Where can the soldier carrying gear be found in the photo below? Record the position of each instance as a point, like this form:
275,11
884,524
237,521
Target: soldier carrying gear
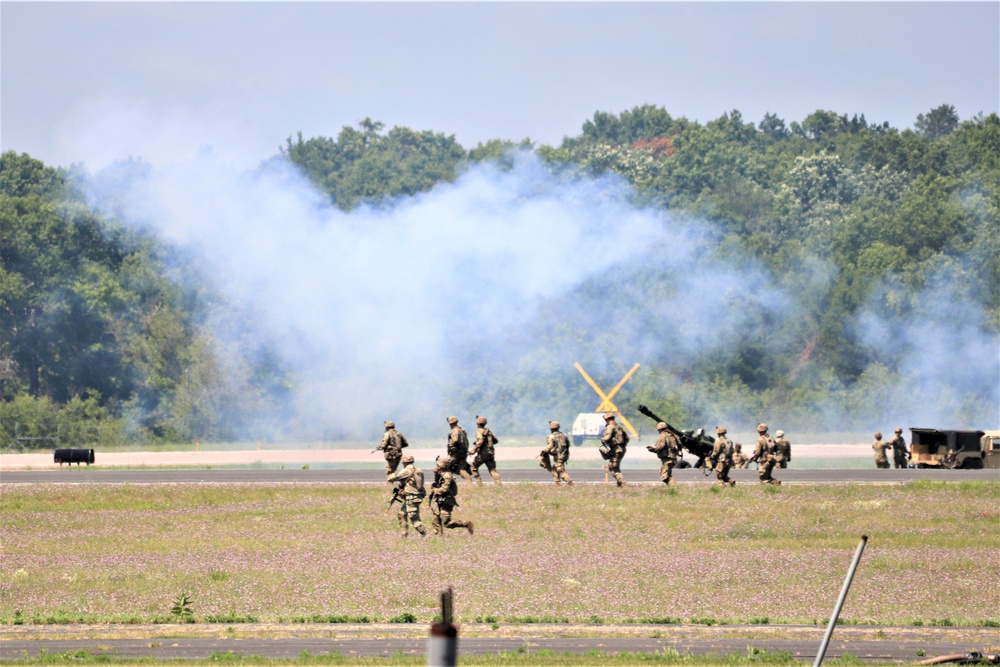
764,455
722,455
615,440
880,447
410,484
458,449
784,453
442,499
483,453
667,449
392,446
900,454
555,454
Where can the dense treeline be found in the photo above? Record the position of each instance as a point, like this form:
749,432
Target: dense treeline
101,342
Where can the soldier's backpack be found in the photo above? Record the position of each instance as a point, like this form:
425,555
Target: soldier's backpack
418,481
403,442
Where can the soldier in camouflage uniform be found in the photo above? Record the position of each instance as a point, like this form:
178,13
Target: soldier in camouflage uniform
483,453
458,449
900,454
392,447
740,460
784,453
881,460
722,454
442,499
668,450
556,454
616,440
412,481
763,454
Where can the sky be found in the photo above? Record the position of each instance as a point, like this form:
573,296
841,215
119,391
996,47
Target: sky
92,83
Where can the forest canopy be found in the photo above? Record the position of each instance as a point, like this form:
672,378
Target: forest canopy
110,333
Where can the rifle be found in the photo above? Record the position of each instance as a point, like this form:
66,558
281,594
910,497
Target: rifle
696,442
397,492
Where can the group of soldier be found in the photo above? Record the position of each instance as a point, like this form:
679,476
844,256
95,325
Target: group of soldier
409,482
768,454
900,454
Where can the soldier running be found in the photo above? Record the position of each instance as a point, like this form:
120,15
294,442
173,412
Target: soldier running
900,454
392,447
556,454
763,454
458,449
413,494
722,454
442,499
784,453
668,450
880,447
616,440
483,453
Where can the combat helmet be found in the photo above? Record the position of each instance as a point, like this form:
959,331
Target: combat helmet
898,430
481,421
762,428
721,430
390,424
779,433
608,416
407,458
878,435
453,420
554,425
662,426
444,462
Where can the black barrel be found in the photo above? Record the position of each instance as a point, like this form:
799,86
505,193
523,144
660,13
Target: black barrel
76,456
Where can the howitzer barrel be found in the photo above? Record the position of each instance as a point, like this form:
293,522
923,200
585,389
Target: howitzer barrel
700,445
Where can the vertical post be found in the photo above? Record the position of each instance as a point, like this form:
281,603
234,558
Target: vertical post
442,647
840,601
197,444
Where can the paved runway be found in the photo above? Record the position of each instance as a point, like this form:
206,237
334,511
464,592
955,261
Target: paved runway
94,474
901,648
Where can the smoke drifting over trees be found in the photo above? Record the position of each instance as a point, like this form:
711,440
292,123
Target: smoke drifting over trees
837,281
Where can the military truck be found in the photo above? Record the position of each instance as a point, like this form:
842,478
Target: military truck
933,448
587,426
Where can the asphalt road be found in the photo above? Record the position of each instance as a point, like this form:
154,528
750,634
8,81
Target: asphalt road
94,474
201,648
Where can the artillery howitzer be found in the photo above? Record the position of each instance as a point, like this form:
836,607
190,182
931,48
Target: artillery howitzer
696,442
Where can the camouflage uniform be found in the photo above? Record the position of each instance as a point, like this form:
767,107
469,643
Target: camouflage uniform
763,454
413,493
556,454
458,449
740,460
667,449
443,502
483,453
392,447
784,450
881,460
616,440
722,454
900,454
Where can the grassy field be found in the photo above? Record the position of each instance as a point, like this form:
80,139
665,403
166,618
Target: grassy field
591,553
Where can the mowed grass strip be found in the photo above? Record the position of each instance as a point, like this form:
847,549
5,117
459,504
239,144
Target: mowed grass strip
586,554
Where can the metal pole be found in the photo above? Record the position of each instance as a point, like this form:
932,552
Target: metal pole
442,647
840,602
